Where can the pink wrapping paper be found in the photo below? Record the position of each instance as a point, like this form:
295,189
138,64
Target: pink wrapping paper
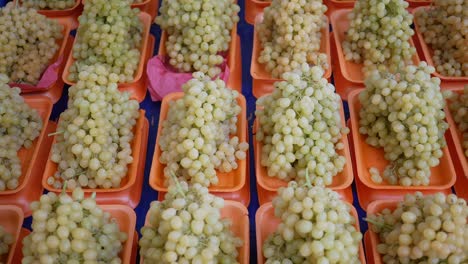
49,77
164,79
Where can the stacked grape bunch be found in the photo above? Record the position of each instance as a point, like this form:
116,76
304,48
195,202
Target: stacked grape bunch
300,128
6,240
198,33
459,109
423,229
316,227
49,4
27,43
198,135
443,26
110,33
187,228
379,34
72,229
20,125
94,135
403,114
290,34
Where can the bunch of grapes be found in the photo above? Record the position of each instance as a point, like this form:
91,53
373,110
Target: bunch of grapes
444,28
300,128
316,227
290,34
27,43
198,33
49,4
379,35
94,135
110,33
423,229
187,228
6,240
197,138
403,114
20,125
459,108
72,229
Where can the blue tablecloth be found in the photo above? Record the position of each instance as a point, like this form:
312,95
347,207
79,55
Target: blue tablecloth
152,109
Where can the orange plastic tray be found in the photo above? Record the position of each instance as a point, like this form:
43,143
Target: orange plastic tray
239,216
18,254
427,53
268,186
129,193
266,223
11,218
228,182
455,142
334,5
351,75
253,8
365,156
148,6
138,86
262,80
32,161
234,61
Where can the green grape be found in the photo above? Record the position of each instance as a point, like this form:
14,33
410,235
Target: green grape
6,240
379,35
290,34
444,28
187,227
199,32
27,43
459,109
316,227
403,114
197,137
72,229
94,135
110,33
300,128
423,229
49,4
20,125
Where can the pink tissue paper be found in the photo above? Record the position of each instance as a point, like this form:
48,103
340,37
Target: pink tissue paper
49,77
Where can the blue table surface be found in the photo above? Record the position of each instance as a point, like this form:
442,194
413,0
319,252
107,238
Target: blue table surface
245,31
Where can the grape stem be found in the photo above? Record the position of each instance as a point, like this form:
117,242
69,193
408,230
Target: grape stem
64,188
55,133
378,224
176,180
308,183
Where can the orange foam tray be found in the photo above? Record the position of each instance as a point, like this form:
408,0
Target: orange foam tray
11,219
32,160
253,8
262,80
228,182
129,192
365,156
427,53
239,215
267,186
138,86
456,142
267,223
234,61
350,75
148,6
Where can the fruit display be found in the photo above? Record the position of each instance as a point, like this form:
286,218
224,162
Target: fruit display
49,4
72,229
27,43
110,34
199,32
316,227
94,135
187,228
198,137
290,34
459,108
403,114
423,229
20,126
444,30
300,128
379,35
6,240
